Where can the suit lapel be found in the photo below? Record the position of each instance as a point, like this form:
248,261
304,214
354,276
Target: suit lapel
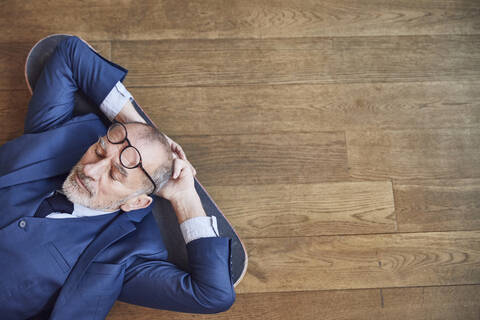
119,228
82,133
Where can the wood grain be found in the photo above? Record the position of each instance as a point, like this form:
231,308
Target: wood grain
362,261
437,205
12,64
298,116
414,154
452,302
256,159
172,19
294,61
14,54
301,108
455,302
13,109
289,210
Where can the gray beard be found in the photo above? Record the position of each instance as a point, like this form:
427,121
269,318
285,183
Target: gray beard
76,194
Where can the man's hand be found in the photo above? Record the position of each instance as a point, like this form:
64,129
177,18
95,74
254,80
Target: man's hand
178,152
180,183
128,113
180,191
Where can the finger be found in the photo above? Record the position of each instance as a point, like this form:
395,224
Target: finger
180,173
182,155
174,154
193,169
181,152
174,148
182,165
177,167
177,152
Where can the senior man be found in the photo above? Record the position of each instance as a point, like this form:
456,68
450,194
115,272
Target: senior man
76,225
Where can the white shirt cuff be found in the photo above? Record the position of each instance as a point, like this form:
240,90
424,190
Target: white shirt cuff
199,227
115,100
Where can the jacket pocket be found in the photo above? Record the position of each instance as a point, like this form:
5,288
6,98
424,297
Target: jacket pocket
99,288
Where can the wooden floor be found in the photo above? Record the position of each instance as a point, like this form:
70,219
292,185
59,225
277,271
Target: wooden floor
341,139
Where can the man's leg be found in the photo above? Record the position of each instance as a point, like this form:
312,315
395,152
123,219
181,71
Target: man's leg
73,65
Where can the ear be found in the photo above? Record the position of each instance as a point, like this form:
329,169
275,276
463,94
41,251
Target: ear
135,203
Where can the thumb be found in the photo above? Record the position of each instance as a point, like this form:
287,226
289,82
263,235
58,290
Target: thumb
178,166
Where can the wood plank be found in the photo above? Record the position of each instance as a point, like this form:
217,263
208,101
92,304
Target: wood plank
301,108
293,61
13,109
12,64
414,154
450,302
153,19
307,209
362,261
437,205
352,304
455,302
14,54
255,159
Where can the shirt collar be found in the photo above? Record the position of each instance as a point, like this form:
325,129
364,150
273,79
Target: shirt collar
82,211
135,215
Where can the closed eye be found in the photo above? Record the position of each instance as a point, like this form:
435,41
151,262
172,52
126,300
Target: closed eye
100,151
111,175
99,147
98,154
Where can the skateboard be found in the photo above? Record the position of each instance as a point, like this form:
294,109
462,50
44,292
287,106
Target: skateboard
162,210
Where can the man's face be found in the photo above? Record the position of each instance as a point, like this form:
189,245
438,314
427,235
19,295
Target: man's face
99,181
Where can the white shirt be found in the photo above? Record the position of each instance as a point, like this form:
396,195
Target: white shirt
194,228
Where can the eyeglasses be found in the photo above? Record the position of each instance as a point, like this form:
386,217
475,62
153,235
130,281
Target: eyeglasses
130,157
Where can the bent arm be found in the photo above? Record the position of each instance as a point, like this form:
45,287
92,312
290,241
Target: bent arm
73,66
162,285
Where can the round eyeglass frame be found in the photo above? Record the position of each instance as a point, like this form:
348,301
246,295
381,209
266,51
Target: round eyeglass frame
129,145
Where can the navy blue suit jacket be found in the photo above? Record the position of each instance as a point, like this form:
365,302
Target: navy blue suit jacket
125,259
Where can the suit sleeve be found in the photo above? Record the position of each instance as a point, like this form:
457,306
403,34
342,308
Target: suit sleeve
72,66
162,285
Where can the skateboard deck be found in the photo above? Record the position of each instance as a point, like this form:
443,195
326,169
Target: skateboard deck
163,211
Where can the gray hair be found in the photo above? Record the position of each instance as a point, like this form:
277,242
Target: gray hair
162,173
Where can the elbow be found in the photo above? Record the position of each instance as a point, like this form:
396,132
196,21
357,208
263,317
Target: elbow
68,41
226,303
220,302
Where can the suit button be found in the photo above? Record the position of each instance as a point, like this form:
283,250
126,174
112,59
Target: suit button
22,224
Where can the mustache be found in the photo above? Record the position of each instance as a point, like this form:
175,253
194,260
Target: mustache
84,180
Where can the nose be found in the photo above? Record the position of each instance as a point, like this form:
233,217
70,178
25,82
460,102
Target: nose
95,170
